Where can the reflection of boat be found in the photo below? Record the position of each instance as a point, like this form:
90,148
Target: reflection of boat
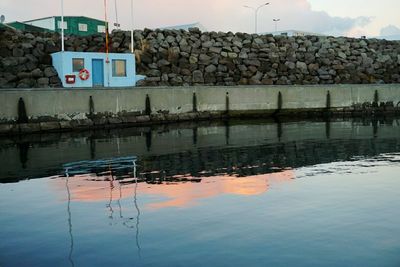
117,165
112,166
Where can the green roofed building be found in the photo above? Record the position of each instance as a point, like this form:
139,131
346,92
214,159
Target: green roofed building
73,25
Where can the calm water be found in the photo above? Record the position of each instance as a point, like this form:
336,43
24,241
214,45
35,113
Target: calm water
228,194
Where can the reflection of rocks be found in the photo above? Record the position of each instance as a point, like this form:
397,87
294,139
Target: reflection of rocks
79,116
257,160
202,149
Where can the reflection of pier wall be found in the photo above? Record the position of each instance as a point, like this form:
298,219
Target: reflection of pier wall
205,147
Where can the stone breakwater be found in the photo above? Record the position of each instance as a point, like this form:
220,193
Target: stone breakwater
185,58
25,60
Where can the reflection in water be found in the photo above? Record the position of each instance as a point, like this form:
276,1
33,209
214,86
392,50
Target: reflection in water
375,128
359,166
23,153
118,145
137,217
195,131
279,129
109,206
179,191
148,140
101,167
227,132
97,173
182,179
198,193
119,201
328,129
206,147
71,248
92,147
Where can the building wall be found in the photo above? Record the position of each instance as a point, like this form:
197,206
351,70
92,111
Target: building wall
178,100
73,25
185,27
62,62
293,33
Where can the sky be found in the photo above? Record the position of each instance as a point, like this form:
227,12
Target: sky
353,18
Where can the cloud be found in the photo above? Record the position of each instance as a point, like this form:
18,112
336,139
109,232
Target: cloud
390,30
218,15
230,15
321,22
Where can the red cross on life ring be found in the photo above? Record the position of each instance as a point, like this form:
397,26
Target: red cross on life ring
84,74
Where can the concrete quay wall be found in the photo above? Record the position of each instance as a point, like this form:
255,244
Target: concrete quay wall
33,110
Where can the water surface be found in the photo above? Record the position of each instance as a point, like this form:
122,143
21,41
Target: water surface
227,194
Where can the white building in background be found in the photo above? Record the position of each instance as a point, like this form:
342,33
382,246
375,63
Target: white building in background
185,27
389,37
293,33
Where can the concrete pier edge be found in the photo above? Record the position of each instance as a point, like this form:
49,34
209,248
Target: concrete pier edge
60,110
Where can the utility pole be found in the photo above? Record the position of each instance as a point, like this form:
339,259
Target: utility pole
62,25
256,14
132,45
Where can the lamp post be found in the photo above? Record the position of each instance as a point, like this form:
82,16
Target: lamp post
116,24
276,24
256,14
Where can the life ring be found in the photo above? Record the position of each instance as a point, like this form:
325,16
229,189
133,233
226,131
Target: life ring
84,74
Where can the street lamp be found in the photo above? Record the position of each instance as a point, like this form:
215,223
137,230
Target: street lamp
116,24
256,14
276,24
